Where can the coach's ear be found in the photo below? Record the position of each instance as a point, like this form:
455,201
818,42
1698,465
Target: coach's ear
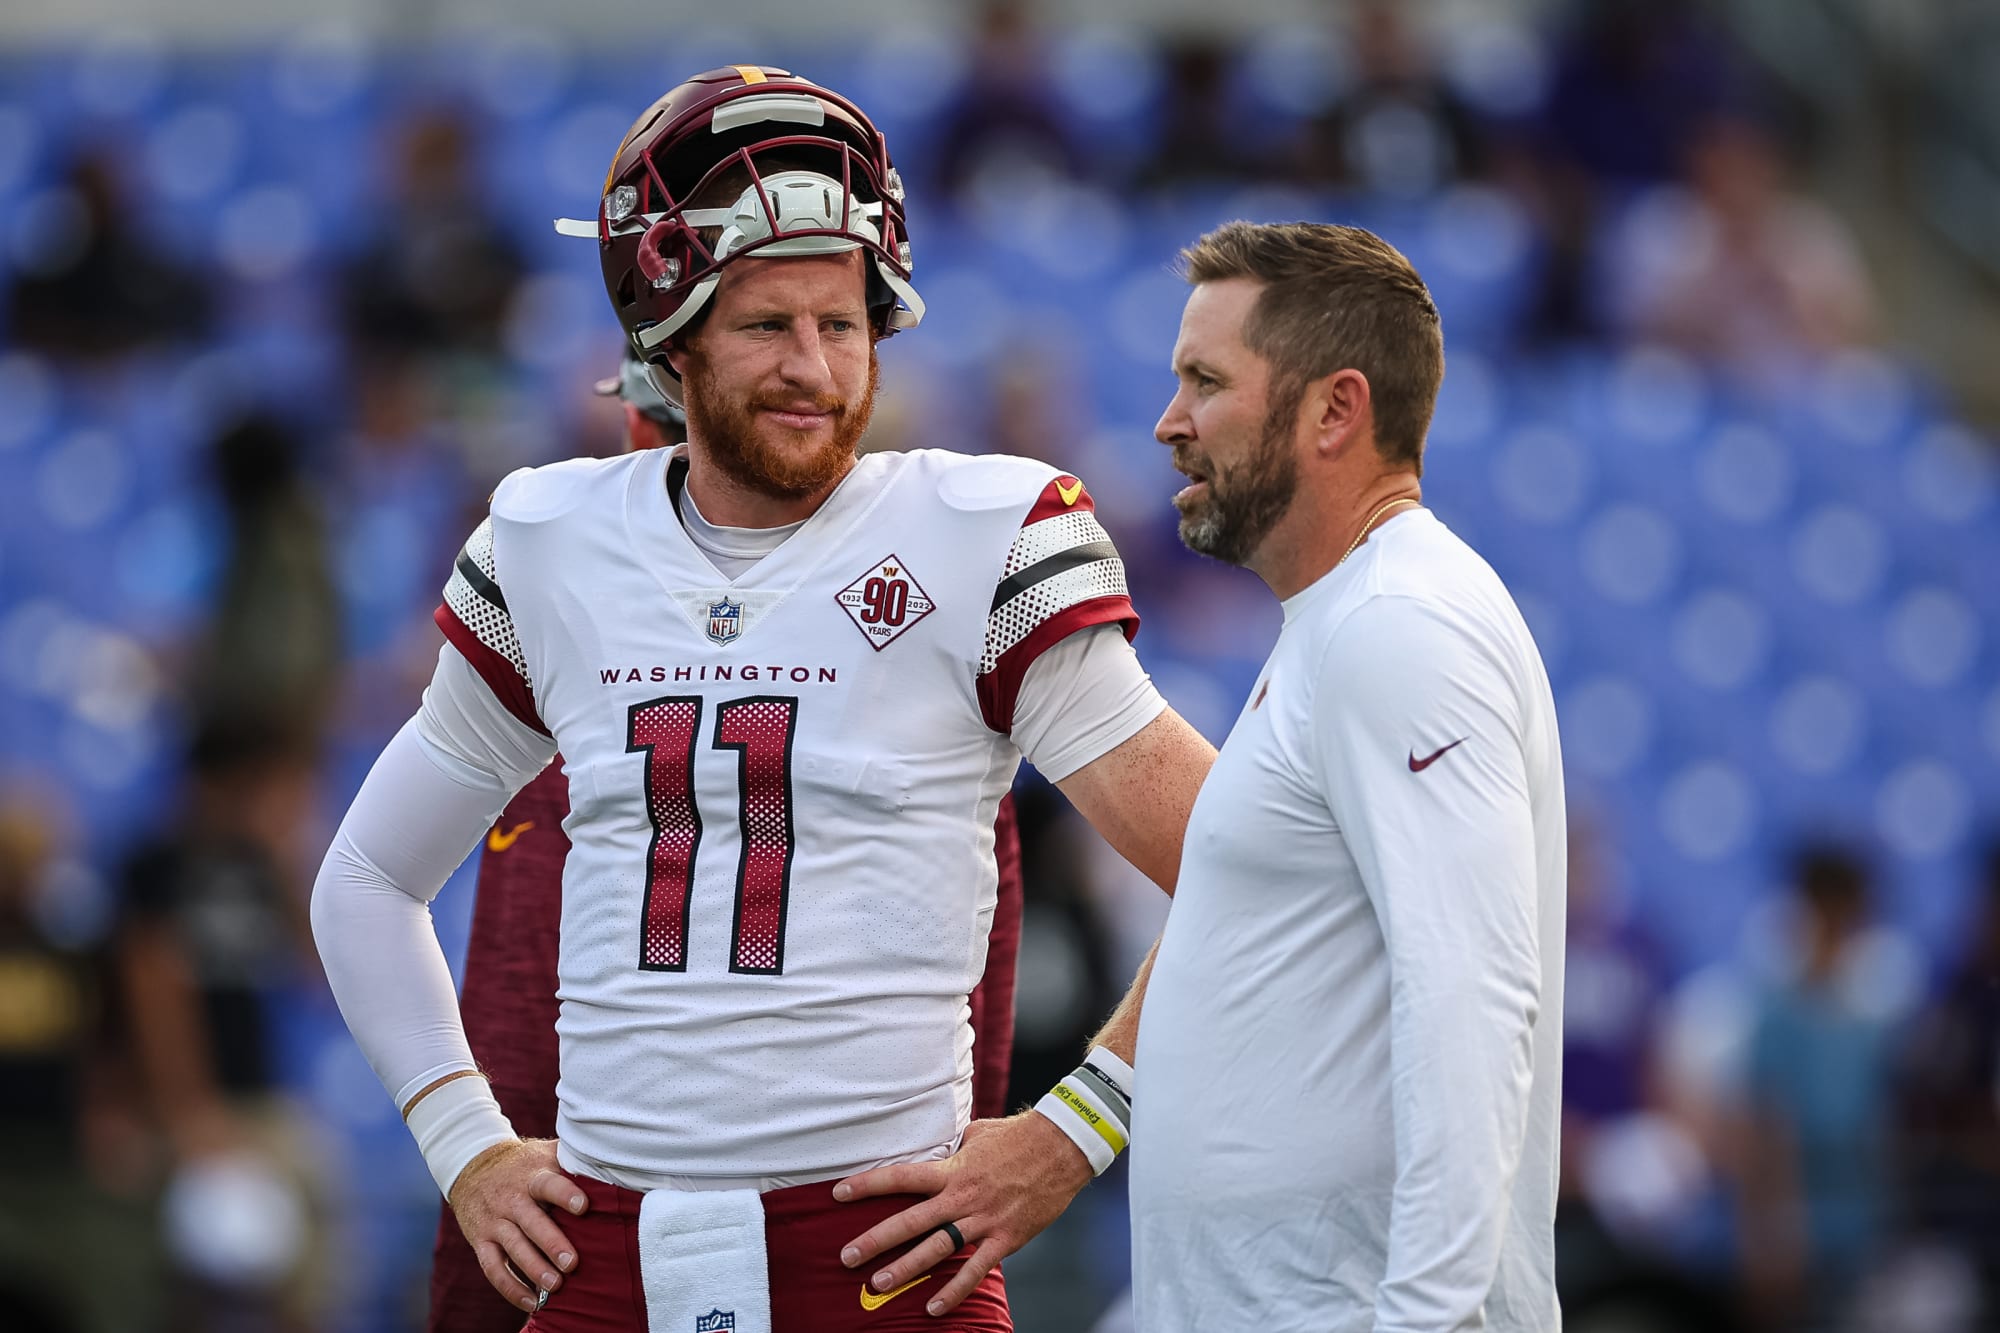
1336,411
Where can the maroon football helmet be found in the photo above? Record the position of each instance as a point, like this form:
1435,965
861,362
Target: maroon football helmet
819,182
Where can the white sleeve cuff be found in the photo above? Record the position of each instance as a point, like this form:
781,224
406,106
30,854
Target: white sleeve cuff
455,1124
1081,699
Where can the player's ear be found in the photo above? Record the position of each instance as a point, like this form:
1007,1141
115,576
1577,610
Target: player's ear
1337,407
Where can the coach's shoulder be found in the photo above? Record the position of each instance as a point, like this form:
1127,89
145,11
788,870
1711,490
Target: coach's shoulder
538,494
1389,633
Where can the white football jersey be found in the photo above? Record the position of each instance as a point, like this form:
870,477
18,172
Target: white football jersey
782,791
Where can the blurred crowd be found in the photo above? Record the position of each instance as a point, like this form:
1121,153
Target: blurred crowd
1793,1128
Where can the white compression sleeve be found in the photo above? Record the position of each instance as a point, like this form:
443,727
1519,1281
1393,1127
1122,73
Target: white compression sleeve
1081,699
435,789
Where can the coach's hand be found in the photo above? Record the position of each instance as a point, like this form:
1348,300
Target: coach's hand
1008,1180
498,1200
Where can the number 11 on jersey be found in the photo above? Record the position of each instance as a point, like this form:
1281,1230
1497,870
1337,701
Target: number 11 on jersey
760,730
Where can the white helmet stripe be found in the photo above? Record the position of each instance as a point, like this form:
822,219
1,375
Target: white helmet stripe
795,107
586,229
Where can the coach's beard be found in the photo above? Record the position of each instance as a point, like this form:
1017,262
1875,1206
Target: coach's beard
735,435
1238,508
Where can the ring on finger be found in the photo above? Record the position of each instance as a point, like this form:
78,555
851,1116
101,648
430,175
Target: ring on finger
954,1235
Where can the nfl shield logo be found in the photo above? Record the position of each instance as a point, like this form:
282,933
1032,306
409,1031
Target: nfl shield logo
715,1321
725,622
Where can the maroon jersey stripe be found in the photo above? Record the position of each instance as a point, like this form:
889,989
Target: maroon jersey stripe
1000,688
498,673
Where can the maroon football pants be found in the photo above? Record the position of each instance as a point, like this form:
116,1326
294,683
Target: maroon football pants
810,1291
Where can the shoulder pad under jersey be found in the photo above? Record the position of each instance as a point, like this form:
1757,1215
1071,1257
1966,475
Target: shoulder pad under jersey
537,494
989,481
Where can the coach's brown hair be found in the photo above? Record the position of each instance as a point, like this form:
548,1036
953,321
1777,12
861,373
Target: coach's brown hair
1336,298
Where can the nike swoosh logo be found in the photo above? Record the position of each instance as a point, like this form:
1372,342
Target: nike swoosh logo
496,841
1068,488
870,1301
1419,765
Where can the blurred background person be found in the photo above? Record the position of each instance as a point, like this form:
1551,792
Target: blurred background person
213,928
1630,1170
1816,1187
1741,269
269,661
88,282
1399,129
1004,132
1949,1135
434,278
76,1243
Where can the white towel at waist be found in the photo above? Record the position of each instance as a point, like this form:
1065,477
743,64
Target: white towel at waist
701,1260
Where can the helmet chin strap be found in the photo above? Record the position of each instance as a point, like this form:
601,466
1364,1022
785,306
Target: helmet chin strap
666,383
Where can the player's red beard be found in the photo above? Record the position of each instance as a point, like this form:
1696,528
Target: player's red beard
735,434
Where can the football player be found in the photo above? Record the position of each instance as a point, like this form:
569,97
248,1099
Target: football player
508,993
791,687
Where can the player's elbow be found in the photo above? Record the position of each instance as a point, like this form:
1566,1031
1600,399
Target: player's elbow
325,907
344,876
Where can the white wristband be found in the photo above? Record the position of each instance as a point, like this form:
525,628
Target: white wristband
1093,1107
1108,1064
454,1124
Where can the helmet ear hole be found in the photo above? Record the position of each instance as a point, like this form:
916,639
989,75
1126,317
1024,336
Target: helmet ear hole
627,290
659,251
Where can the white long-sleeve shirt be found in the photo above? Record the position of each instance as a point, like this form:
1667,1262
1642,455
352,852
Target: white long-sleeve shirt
1348,1087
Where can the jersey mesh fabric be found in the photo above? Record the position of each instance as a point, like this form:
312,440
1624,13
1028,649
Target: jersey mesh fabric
475,618
1022,614
486,617
1061,574
1052,536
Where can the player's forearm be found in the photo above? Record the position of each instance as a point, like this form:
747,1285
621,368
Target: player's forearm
408,829
1139,796
388,974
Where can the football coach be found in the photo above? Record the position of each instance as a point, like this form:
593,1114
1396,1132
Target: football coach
1347,1097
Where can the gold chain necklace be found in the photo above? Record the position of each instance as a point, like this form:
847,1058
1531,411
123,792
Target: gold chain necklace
1359,536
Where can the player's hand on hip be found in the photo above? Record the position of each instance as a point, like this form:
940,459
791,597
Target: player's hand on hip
1008,1180
499,1200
